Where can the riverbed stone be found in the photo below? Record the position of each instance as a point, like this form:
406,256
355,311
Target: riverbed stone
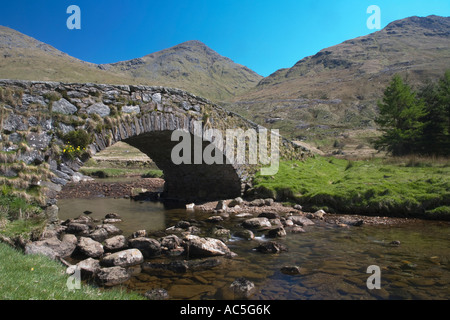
269,215
112,215
271,247
171,242
276,233
244,234
295,229
257,203
80,229
214,219
90,247
99,234
257,223
112,276
139,234
302,221
109,221
221,205
222,234
70,238
115,243
206,247
236,202
148,246
111,229
242,288
291,270
125,258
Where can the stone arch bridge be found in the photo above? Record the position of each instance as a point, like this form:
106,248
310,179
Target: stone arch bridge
36,117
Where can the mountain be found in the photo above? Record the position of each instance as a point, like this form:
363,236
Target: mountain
192,66
334,92
25,58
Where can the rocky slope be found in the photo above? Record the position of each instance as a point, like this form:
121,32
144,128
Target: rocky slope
323,95
194,67
191,66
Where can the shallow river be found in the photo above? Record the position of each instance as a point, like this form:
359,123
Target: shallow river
333,261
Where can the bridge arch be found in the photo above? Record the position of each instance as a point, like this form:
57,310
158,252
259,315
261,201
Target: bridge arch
42,113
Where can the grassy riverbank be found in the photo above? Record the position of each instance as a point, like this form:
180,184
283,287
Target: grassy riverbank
25,277
407,187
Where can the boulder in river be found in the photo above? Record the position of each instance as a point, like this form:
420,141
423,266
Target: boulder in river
206,247
257,223
111,229
90,247
242,288
291,270
125,258
112,276
79,229
115,243
245,234
276,233
99,234
148,246
236,202
302,221
270,247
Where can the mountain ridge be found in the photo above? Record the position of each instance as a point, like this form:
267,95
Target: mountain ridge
195,66
333,93
25,58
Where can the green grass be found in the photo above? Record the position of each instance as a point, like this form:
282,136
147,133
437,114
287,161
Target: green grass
369,187
34,277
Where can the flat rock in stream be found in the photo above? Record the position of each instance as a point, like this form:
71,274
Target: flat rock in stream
271,247
257,223
206,247
302,221
125,258
113,276
148,246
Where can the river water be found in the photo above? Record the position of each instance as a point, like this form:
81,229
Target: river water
333,260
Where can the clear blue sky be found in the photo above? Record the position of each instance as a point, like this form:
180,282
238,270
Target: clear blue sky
264,35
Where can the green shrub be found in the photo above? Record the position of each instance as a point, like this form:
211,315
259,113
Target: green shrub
78,138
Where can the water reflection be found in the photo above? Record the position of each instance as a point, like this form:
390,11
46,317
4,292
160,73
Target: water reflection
333,261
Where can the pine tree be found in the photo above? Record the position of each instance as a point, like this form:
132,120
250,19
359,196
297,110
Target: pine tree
444,102
436,137
400,119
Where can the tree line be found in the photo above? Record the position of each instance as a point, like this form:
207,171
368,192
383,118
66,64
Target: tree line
415,122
